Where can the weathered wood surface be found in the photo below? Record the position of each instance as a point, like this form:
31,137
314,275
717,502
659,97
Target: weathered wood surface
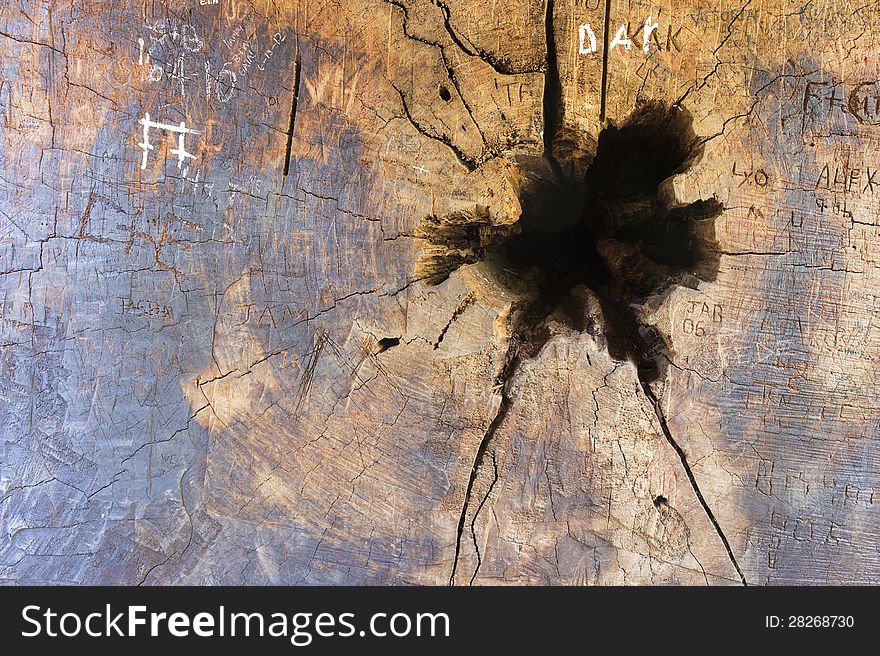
201,382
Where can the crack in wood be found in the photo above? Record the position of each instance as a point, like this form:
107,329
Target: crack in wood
477,514
661,417
502,381
468,300
297,66
468,162
552,98
604,61
473,50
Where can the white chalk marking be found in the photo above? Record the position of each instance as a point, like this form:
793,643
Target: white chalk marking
585,32
621,39
649,27
181,130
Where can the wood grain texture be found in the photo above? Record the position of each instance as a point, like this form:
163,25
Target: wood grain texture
223,364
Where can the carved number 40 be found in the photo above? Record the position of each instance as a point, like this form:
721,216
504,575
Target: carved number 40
691,327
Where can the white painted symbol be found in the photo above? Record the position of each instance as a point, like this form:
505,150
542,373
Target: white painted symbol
141,55
649,27
621,39
180,130
587,43
585,33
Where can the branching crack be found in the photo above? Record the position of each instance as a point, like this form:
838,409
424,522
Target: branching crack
468,162
690,474
477,514
502,383
450,73
718,60
471,49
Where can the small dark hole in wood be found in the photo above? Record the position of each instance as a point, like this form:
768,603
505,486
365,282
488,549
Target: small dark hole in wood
660,501
386,343
445,96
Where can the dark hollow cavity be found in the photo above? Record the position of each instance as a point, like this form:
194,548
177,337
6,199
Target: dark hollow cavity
386,343
597,229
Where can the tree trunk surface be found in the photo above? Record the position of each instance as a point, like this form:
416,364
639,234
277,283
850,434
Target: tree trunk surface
262,320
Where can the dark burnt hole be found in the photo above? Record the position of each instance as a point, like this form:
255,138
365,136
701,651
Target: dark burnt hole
445,96
660,502
616,231
598,227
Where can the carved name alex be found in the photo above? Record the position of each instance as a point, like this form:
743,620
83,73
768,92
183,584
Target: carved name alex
847,179
646,38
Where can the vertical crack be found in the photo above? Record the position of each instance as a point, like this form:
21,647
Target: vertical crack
690,474
604,60
477,514
552,98
297,65
502,381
